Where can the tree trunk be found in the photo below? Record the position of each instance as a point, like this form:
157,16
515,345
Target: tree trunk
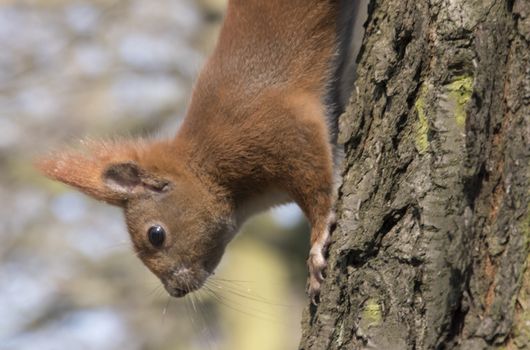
431,246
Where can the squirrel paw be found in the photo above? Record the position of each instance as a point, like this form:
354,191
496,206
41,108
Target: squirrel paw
317,264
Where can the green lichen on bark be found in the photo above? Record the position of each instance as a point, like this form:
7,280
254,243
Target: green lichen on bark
460,91
371,314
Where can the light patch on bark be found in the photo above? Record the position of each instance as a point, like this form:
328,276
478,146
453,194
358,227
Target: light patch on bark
460,92
422,127
520,337
371,315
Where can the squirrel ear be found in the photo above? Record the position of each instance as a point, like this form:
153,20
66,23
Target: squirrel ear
129,178
107,171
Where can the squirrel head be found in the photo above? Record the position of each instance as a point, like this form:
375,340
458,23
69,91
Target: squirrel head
179,224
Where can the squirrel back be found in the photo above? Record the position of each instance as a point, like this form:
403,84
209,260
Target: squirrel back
285,45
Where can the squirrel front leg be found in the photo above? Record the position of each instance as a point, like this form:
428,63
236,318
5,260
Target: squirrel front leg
317,205
311,183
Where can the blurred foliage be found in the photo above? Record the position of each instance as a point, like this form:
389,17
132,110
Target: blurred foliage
68,277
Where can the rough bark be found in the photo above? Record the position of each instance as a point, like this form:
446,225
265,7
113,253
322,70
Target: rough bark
431,246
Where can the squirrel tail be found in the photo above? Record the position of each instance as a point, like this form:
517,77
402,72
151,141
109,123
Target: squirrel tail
349,25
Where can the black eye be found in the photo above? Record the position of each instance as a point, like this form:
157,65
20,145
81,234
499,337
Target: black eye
156,235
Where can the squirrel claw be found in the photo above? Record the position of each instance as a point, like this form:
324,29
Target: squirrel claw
314,293
317,264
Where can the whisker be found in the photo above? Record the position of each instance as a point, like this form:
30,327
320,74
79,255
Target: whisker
200,325
231,280
164,312
193,303
226,303
209,334
204,332
192,318
155,290
246,294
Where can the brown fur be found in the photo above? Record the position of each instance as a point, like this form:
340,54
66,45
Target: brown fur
256,122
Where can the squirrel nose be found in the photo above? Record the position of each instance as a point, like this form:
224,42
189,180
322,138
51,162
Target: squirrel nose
176,292
176,281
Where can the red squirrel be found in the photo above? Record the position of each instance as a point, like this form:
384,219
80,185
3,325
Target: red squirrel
260,131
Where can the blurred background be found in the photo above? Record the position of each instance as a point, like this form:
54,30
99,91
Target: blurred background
68,276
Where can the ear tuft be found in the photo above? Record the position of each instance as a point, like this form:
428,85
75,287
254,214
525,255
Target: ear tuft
84,168
107,171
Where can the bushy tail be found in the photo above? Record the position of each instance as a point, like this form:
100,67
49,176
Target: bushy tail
341,83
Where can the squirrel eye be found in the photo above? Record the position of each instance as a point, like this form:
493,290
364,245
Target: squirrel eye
156,235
